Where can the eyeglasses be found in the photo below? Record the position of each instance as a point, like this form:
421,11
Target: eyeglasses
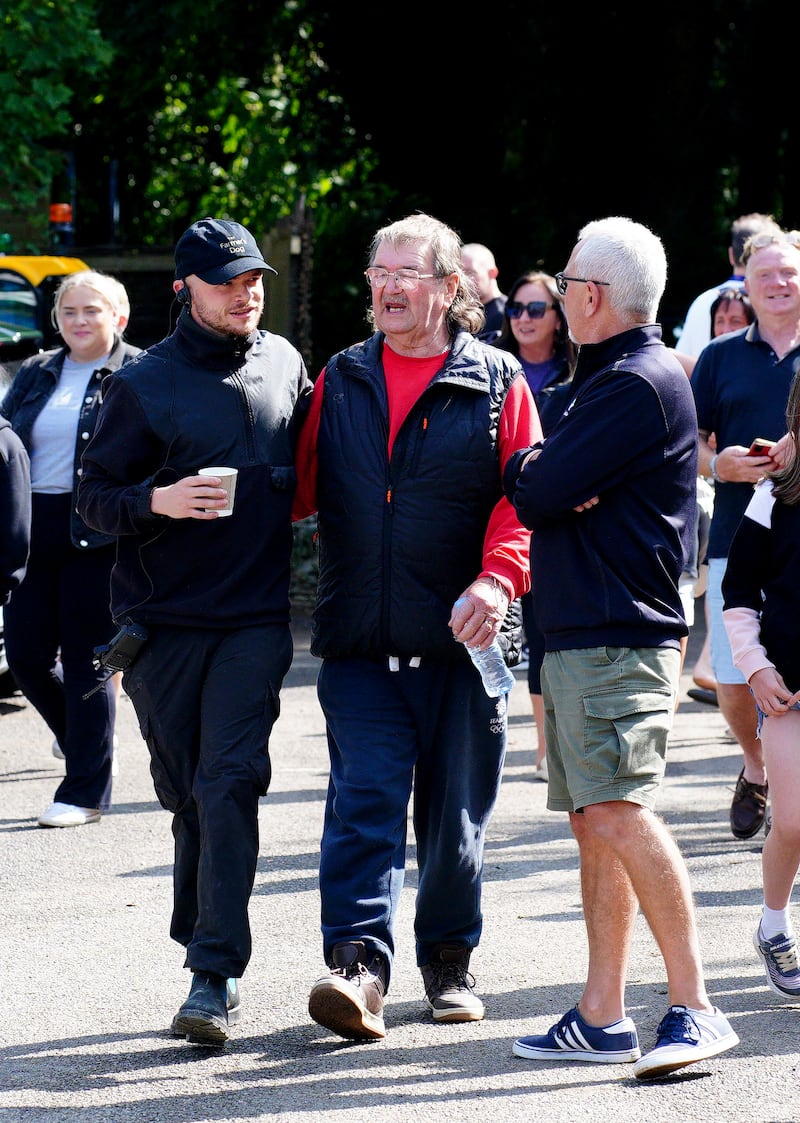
407,279
535,309
562,280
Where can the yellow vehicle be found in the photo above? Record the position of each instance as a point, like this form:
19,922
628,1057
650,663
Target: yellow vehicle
27,285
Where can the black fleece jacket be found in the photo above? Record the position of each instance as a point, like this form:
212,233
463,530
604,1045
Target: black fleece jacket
197,399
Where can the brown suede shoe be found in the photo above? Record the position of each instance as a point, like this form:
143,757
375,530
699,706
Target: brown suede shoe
349,999
748,808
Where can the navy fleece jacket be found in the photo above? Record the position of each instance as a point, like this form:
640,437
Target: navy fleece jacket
609,575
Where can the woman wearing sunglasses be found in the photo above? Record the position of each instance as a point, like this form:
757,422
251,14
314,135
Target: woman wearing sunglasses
535,330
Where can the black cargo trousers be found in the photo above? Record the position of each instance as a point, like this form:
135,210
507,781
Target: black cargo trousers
206,700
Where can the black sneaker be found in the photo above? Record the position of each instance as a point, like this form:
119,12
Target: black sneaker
212,1006
449,985
349,999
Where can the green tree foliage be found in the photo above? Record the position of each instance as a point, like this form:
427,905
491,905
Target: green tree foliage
205,110
202,112
47,49
212,111
515,129
250,148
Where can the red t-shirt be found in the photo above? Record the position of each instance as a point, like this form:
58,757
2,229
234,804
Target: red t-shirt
506,546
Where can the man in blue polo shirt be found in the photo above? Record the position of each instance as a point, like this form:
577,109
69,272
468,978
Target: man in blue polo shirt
696,331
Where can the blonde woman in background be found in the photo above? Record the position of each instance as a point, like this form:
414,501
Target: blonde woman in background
60,612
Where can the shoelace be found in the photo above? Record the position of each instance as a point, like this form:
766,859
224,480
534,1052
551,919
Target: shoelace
677,1025
564,1031
785,955
358,974
452,976
351,971
755,792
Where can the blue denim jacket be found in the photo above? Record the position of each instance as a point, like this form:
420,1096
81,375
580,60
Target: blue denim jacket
31,389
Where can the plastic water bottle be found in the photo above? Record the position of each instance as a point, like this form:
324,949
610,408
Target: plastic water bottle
497,678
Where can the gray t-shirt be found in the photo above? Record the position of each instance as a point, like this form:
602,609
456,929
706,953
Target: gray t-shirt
54,431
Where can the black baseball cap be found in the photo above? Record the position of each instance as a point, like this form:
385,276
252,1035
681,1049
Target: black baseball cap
216,251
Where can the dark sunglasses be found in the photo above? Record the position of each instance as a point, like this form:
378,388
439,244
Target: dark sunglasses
535,309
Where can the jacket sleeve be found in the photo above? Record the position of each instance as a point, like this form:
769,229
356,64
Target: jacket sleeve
703,391
613,423
15,514
506,547
743,581
749,553
305,497
16,392
743,628
120,466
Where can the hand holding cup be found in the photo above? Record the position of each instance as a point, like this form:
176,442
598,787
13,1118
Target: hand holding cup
225,478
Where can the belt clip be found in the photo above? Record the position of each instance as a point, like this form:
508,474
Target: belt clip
394,663
414,661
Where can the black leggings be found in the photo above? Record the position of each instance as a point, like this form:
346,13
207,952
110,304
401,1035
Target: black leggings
63,605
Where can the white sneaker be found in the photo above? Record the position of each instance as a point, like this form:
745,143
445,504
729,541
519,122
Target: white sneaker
540,771
59,755
68,815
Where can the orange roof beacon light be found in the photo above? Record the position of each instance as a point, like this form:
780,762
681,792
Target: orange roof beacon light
60,212
62,232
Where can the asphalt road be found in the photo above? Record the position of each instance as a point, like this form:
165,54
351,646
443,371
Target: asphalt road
90,978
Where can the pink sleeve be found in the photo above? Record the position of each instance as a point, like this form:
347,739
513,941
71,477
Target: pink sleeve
744,634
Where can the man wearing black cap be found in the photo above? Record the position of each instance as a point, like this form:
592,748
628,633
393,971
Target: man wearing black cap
210,594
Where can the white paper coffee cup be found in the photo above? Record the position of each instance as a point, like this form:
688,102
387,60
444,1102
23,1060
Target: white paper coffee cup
227,478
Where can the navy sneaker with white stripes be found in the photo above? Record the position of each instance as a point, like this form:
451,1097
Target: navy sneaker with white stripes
573,1039
780,962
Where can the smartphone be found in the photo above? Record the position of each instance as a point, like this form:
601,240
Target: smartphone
761,447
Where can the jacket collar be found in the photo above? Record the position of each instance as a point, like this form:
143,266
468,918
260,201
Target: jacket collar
593,357
464,364
210,351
